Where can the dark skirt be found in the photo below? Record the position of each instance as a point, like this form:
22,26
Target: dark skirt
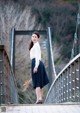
39,79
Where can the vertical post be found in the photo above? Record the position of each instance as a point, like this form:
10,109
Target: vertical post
79,24
51,67
49,62
76,45
12,49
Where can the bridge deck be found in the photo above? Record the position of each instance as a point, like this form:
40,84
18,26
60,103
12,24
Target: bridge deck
57,108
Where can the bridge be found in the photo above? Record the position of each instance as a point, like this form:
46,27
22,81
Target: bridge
64,89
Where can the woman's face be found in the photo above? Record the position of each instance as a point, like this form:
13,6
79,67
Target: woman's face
34,38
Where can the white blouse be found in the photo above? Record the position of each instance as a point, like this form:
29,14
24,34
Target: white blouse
35,52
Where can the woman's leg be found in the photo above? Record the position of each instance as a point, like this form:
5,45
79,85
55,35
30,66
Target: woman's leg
39,94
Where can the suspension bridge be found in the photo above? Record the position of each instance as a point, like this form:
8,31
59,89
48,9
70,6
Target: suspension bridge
64,92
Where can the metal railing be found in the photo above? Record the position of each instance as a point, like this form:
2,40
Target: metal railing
66,86
8,89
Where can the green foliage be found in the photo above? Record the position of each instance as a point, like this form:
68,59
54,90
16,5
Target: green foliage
30,96
43,12
21,97
66,51
57,61
46,15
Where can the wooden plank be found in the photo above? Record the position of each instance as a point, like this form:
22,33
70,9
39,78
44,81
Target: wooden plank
66,108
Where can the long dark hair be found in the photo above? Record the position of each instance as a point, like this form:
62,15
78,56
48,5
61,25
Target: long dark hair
31,43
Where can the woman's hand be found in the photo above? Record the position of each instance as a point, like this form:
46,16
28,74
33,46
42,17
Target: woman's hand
35,70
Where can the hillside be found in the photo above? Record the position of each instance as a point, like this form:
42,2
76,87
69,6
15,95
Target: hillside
38,14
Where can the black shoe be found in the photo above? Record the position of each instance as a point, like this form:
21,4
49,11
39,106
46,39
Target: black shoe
39,102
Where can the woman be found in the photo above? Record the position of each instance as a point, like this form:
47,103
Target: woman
39,76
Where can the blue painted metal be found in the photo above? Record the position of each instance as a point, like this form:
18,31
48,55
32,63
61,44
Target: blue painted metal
51,67
66,86
12,49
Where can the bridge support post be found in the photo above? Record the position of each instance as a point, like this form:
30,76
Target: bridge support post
51,67
12,49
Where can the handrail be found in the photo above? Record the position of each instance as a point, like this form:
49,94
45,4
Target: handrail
8,84
65,79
